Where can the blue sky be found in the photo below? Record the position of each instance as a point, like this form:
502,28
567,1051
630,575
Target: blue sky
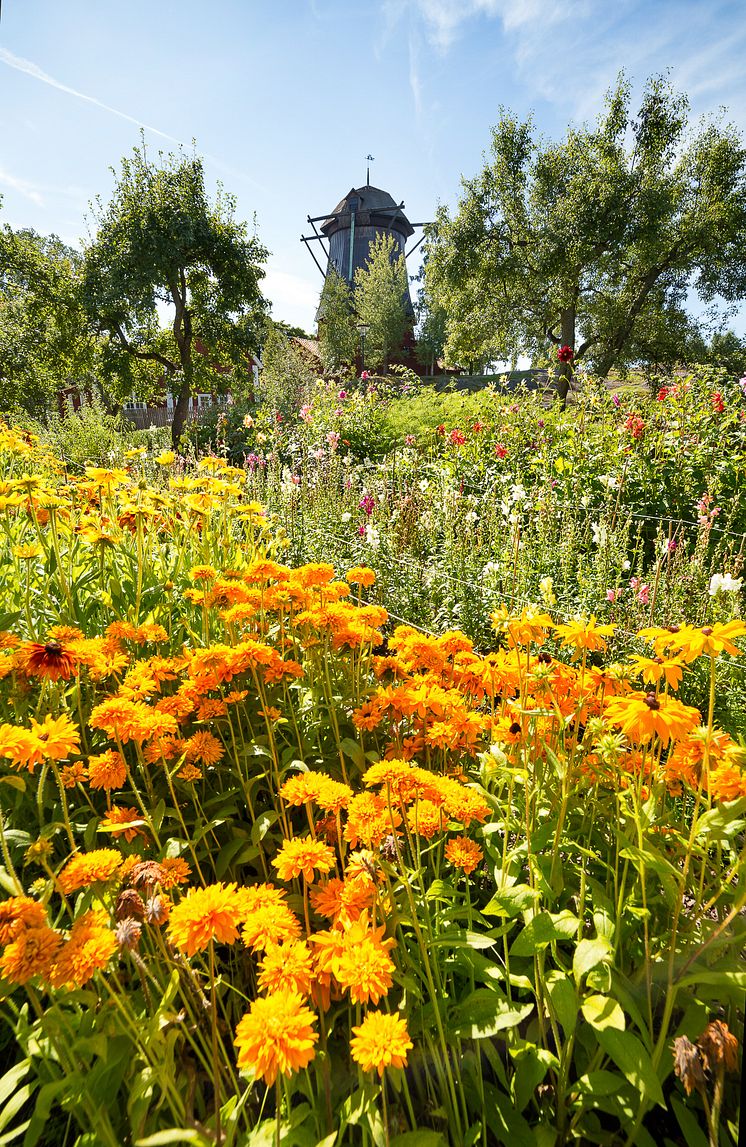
285,98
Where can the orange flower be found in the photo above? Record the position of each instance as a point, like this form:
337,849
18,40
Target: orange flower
30,954
303,855
107,771
276,1036
203,747
287,967
205,914
88,950
50,660
369,820
89,868
464,853
364,967
59,736
269,924
652,670
360,575
18,913
175,871
380,1041
126,822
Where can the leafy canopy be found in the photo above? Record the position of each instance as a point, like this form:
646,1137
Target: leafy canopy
380,299
160,241
44,342
594,241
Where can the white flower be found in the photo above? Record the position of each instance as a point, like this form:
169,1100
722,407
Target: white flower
599,533
609,481
626,565
546,589
423,485
346,516
471,517
372,537
724,583
518,494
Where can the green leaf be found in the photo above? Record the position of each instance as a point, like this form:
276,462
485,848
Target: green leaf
484,1013
511,902
602,1012
174,1135
12,1078
599,1083
419,1139
714,979
543,929
14,782
633,1061
693,1133
354,751
564,999
588,954
262,825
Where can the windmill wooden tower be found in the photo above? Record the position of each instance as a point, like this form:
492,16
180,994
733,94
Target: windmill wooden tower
347,232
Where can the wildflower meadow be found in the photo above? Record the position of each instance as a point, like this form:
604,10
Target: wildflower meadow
382,790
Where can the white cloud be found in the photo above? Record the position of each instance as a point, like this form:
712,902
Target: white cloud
22,186
29,68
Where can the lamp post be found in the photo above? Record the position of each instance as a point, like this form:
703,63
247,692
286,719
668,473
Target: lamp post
363,329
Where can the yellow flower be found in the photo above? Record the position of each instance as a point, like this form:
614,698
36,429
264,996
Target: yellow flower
205,914
276,1036
380,1041
287,967
166,458
303,855
584,634
642,715
360,575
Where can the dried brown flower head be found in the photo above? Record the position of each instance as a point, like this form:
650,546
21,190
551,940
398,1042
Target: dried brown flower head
687,1064
129,905
718,1047
128,932
147,874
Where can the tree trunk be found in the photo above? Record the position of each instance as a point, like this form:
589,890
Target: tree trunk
564,374
181,410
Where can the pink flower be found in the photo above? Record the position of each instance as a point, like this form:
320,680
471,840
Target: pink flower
306,413
367,503
458,438
410,440
333,439
365,376
361,531
612,595
616,400
342,395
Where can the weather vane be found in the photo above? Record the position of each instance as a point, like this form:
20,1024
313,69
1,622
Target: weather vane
369,158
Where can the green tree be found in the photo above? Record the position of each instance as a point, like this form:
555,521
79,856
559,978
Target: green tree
286,379
161,241
338,335
380,300
728,351
44,340
593,242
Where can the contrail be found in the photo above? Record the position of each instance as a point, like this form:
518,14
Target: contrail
31,69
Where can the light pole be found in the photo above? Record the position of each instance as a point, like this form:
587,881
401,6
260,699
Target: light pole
363,329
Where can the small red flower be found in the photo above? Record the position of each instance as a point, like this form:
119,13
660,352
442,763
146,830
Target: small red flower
458,438
440,429
635,425
500,450
565,354
717,402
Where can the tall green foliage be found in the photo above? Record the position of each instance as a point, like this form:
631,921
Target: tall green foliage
43,336
380,300
594,242
161,241
338,335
